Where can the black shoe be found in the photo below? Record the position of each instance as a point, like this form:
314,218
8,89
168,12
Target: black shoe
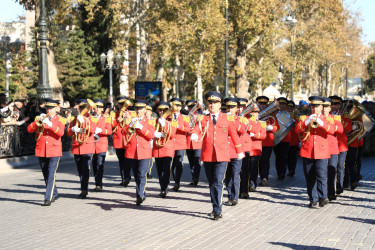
339,191
83,195
228,203
313,204
360,177
98,188
353,186
121,183
163,194
323,202
126,182
280,178
46,203
217,216
291,174
211,215
331,197
244,195
149,176
55,198
194,182
252,189
139,201
176,187
264,182
234,202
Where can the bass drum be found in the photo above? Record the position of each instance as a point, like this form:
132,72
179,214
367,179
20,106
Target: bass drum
286,123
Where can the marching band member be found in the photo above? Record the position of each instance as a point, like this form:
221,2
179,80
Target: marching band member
193,150
335,120
315,151
82,128
294,142
215,129
119,142
139,133
49,130
179,143
342,139
267,143
282,148
163,150
232,176
102,131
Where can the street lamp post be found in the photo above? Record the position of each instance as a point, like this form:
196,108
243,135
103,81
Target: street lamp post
226,66
110,65
5,41
346,77
43,90
291,22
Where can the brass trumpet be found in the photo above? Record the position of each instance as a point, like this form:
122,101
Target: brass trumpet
160,142
82,137
123,110
131,128
39,122
314,123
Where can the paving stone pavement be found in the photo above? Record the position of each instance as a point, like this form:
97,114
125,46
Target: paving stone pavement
275,217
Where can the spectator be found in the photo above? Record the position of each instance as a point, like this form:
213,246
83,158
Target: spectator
5,111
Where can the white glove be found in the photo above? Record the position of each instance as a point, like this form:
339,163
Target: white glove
139,126
240,156
76,129
20,123
161,121
269,128
310,119
133,121
194,137
152,143
98,130
80,119
320,122
158,134
48,122
252,134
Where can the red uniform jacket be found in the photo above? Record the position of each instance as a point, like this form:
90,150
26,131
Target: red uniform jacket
245,138
87,147
342,138
335,120
215,147
256,145
194,144
315,144
241,130
49,144
294,139
118,138
168,149
104,123
268,141
182,129
139,146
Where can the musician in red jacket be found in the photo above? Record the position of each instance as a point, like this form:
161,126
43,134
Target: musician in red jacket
163,150
82,128
294,142
215,129
102,131
338,108
138,149
193,149
179,141
49,130
315,151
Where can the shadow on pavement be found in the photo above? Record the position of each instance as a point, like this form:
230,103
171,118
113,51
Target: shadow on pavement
297,246
369,221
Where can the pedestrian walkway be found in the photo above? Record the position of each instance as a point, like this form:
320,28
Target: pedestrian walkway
275,217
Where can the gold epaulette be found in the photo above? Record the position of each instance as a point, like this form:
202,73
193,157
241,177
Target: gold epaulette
152,121
330,119
347,116
200,118
186,118
253,118
230,118
113,114
243,120
301,118
263,124
174,123
94,119
337,118
63,120
133,113
72,118
108,119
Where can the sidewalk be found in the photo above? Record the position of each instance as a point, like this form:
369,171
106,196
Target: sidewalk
276,217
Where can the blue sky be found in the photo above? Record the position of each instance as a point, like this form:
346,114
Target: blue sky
9,11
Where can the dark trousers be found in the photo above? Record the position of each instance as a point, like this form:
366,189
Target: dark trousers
292,159
194,157
215,172
163,166
351,173
245,175
150,165
332,170
83,163
315,171
140,168
124,164
358,161
49,167
341,170
232,179
98,167
281,151
264,163
177,165
254,169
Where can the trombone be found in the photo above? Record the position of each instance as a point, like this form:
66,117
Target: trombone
81,137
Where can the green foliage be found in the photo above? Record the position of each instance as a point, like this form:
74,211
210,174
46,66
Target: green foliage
370,83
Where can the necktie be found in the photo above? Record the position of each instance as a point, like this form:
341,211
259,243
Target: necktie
175,116
214,119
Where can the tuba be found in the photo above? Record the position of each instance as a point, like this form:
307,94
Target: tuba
81,137
123,110
364,126
160,142
192,113
267,113
247,110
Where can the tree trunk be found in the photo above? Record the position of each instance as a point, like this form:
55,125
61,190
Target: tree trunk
53,79
242,84
199,79
144,57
